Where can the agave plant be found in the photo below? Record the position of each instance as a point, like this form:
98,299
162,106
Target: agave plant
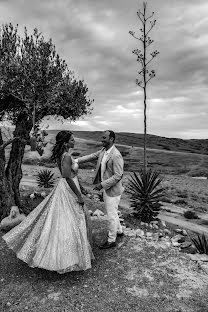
201,244
145,192
45,178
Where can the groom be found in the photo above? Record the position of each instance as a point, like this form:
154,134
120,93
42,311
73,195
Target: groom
108,175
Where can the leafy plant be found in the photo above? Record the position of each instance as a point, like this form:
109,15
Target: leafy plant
180,202
145,193
45,178
189,214
201,244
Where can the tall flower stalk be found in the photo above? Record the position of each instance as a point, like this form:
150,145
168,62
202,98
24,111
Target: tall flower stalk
144,59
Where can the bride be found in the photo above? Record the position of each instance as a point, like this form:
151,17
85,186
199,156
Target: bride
56,235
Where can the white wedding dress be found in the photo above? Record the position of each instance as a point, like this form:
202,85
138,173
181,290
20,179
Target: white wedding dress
54,236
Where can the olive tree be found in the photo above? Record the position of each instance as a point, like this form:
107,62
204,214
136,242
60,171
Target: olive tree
34,83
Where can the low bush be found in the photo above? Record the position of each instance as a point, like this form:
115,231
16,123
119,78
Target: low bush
189,214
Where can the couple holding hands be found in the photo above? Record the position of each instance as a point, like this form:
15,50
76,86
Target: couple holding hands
56,235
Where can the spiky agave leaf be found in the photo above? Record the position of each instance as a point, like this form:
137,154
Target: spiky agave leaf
145,194
201,244
44,178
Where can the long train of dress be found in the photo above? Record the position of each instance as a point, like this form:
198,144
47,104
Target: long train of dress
54,235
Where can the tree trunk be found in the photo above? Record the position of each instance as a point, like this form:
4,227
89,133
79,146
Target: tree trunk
6,192
14,170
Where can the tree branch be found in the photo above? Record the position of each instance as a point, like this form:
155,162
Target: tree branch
149,61
138,14
150,16
152,25
9,142
150,79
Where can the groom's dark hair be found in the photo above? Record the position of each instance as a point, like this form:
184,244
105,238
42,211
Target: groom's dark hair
112,134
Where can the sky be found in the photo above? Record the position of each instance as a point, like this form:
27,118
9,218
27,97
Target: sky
93,37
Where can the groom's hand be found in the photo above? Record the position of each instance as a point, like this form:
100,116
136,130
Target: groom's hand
98,187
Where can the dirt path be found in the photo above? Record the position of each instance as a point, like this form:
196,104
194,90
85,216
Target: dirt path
174,216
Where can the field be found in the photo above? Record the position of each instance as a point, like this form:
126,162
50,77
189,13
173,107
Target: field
137,275
176,167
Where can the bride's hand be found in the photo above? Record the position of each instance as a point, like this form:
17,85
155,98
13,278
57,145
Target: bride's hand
81,201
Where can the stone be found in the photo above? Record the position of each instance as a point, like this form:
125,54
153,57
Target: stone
43,194
184,233
155,226
175,244
154,222
98,213
199,257
149,235
139,233
185,245
131,233
32,196
90,212
141,223
204,267
163,223
150,226
14,218
128,229
189,250
93,218
155,236
178,238
203,258
146,224
179,231
194,257
166,231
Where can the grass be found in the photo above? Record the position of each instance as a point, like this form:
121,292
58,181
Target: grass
153,141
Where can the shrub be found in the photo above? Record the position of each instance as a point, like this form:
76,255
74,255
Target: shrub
189,214
180,202
45,178
201,244
145,194
75,154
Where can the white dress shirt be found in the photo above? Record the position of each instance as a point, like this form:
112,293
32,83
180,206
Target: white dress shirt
104,161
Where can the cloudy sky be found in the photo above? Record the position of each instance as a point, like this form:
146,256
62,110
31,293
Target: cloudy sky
93,37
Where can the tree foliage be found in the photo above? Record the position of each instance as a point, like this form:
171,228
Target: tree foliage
33,72
34,83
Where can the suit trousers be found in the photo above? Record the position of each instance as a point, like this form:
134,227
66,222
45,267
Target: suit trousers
111,205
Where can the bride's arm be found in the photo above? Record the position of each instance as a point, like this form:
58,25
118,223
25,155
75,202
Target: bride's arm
66,173
86,158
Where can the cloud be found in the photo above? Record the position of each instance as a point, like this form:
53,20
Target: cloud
93,37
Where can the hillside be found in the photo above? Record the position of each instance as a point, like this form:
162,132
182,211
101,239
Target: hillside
199,146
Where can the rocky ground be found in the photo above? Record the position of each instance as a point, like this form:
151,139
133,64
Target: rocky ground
145,272
153,268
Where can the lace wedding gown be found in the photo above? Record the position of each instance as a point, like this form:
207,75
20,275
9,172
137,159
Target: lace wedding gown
54,236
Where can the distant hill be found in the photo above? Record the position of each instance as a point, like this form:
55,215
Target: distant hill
199,146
